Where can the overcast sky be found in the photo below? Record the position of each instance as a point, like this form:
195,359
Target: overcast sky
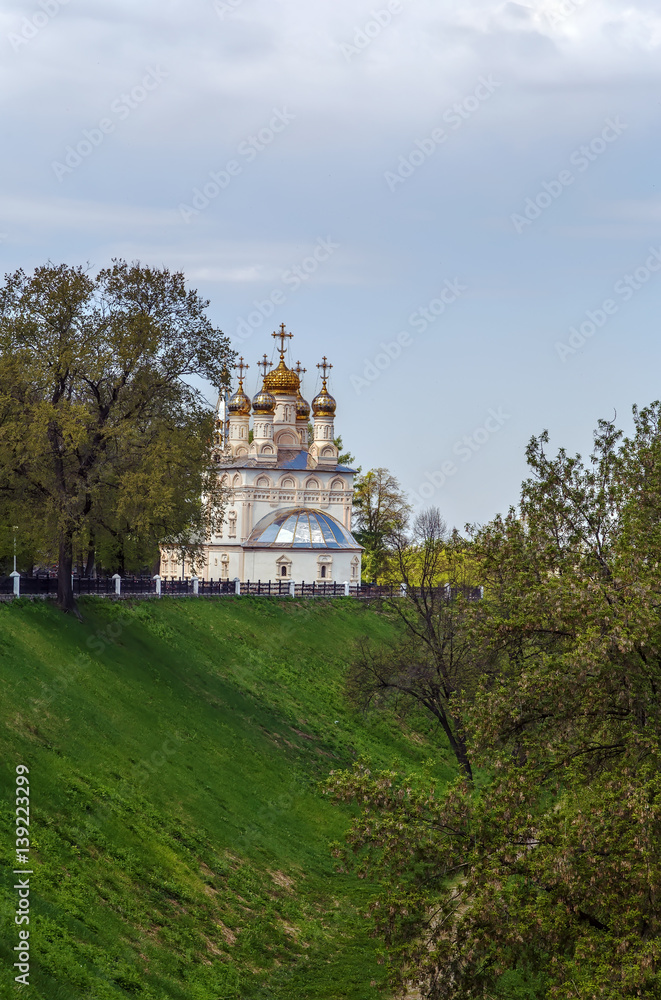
432,194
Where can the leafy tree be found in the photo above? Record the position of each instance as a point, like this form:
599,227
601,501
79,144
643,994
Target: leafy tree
551,872
344,457
380,512
101,433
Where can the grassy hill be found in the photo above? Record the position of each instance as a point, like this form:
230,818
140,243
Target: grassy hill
180,840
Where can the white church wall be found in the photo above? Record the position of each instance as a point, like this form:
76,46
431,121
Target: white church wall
303,565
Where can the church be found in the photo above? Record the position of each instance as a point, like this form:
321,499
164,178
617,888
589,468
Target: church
288,515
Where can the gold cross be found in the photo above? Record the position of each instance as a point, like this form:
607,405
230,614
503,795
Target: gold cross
299,371
325,367
282,336
263,365
241,368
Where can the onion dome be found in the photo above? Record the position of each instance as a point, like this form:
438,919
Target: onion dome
323,404
239,404
282,380
302,408
263,402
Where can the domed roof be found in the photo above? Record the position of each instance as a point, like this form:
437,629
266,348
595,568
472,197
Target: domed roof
263,402
300,528
239,403
302,408
323,402
282,380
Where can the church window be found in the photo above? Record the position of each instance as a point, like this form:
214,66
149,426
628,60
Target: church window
237,480
287,484
322,572
283,571
263,483
312,484
232,524
337,485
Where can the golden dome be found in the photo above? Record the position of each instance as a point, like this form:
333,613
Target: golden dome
282,380
263,402
239,404
323,403
302,408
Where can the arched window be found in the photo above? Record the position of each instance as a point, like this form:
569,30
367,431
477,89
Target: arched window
322,572
283,570
312,484
263,482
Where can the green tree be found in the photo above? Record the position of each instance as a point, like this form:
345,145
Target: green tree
550,872
101,432
380,513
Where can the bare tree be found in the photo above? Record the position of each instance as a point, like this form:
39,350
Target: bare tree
434,659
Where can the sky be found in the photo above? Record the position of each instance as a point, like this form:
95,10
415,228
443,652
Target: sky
458,203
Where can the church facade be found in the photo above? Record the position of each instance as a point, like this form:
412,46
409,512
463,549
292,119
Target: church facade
288,515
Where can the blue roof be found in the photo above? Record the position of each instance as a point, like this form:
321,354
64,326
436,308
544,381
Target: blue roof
300,528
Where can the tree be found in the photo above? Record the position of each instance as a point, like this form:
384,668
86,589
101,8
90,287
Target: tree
435,659
344,457
551,871
101,432
380,511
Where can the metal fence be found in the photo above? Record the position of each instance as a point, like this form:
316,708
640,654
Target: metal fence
135,586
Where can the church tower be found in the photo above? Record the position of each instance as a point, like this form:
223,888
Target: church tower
284,384
263,407
302,411
239,416
323,447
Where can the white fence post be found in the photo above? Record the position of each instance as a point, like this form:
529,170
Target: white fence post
292,589
346,588
402,590
16,577
196,585
158,585
118,583
237,586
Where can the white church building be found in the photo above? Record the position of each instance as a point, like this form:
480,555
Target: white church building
288,515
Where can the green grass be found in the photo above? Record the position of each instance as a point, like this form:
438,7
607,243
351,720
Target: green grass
180,839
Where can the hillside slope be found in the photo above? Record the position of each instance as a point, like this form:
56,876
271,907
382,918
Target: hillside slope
180,841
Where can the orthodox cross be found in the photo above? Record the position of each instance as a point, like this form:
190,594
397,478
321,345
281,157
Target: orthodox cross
241,368
299,371
282,336
325,368
263,365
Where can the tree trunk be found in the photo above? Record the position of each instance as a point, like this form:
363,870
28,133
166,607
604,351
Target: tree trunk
91,556
65,565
